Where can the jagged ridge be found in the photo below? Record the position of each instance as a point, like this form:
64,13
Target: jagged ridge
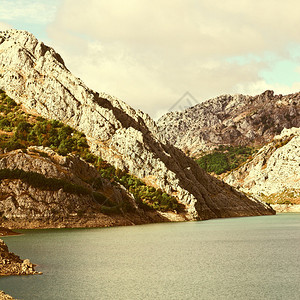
231,120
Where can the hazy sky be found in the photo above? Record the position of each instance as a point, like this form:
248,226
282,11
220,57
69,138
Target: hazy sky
149,53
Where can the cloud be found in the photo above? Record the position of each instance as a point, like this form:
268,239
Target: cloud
260,85
4,26
30,11
148,53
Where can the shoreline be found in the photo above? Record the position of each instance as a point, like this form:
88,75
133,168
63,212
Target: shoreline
105,222
286,208
7,232
100,220
12,264
96,221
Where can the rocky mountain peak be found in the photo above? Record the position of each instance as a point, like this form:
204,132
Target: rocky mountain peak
231,120
30,43
36,77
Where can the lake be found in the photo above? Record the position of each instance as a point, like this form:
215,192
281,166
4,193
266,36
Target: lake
237,258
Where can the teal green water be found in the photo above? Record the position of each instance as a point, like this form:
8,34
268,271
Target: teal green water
240,258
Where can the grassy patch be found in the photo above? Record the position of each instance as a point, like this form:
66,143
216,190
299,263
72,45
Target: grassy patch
287,196
225,158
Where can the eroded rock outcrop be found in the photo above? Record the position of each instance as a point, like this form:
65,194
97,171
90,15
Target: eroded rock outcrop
11,264
231,120
35,76
273,174
5,231
4,296
24,204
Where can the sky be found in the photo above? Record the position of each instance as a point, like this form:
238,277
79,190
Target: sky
151,54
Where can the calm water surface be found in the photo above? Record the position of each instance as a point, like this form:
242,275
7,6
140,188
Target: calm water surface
240,258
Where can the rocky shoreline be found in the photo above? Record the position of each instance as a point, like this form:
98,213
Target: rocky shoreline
5,231
4,296
286,208
93,220
12,264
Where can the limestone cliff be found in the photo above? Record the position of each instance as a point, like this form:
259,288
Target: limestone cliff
273,174
35,76
231,120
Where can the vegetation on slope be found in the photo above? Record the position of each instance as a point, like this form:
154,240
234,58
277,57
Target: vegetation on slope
146,196
287,196
19,130
225,158
40,181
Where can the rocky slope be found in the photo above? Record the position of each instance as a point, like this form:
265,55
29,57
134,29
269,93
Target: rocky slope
35,76
11,264
273,174
231,120
32,201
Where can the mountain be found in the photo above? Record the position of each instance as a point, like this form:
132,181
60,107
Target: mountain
49,178
230,120
273,174
36,77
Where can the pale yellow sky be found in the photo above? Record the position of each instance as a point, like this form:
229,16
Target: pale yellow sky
149,53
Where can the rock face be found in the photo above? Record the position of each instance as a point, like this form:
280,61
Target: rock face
36,76
11,264
273,174
231,120
23,205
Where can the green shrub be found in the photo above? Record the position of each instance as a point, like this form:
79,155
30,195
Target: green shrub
98,184
225,158
40,181
5,124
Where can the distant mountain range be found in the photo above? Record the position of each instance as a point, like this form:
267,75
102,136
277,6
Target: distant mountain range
237,120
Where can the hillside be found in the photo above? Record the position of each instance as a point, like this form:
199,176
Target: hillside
49,178
237,120
273,174
36,77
